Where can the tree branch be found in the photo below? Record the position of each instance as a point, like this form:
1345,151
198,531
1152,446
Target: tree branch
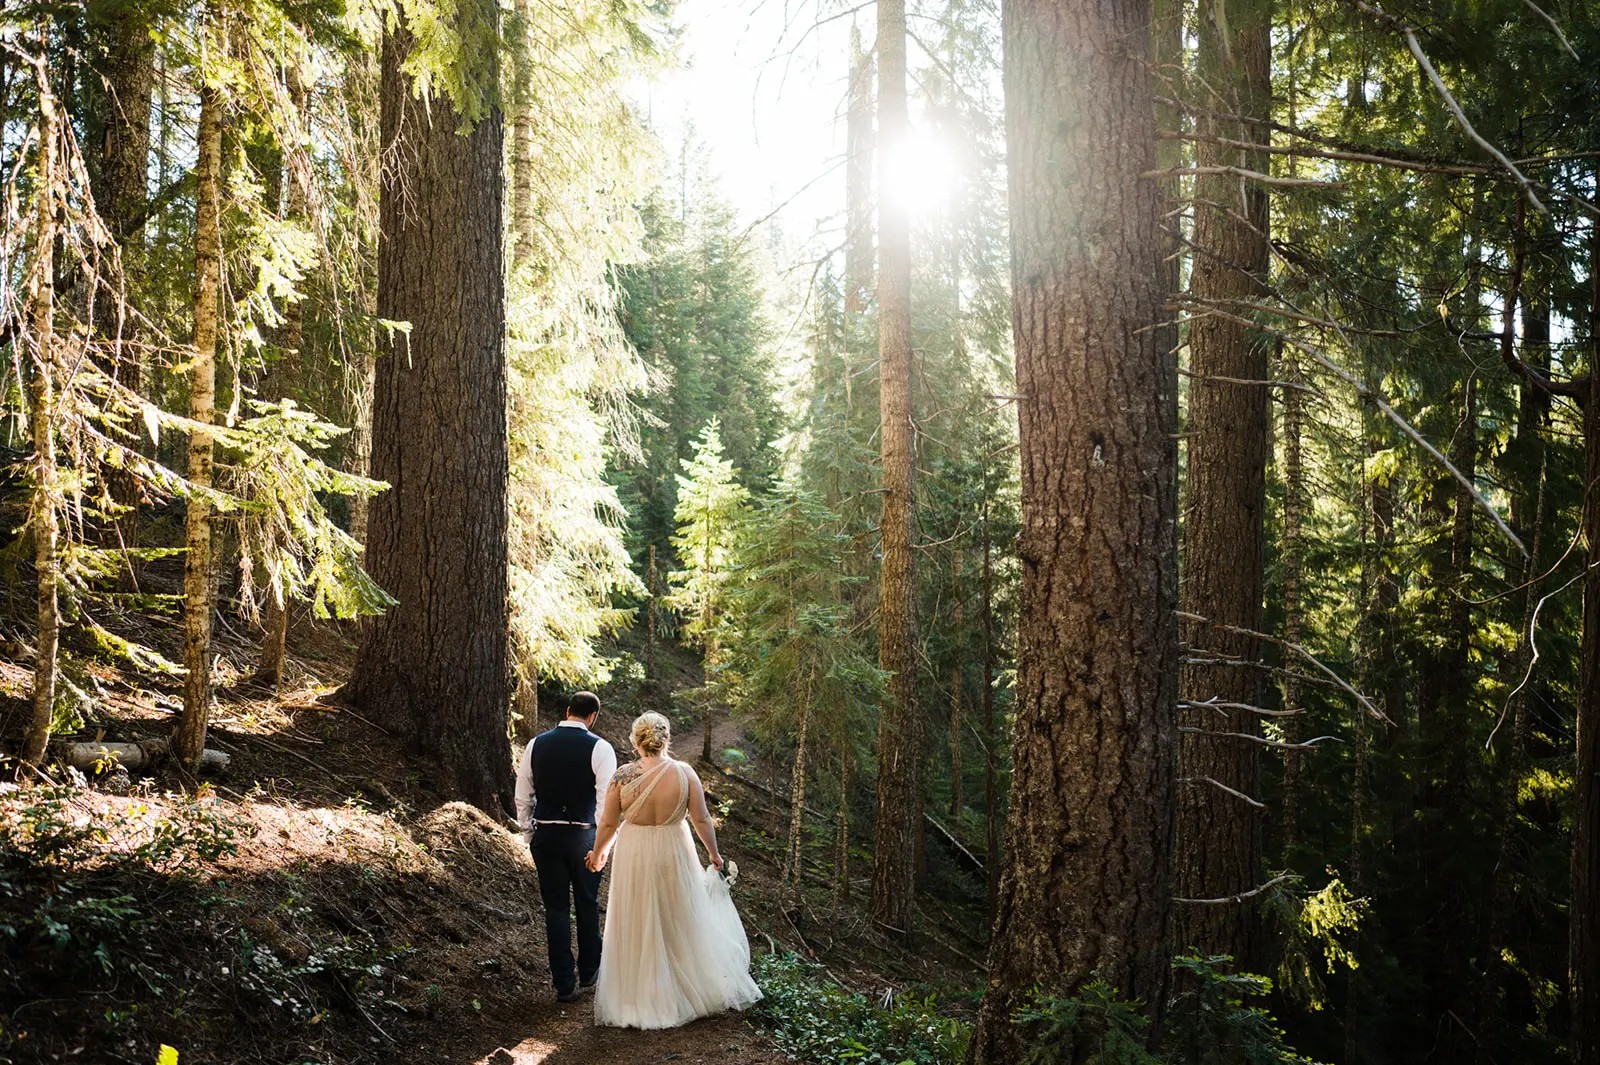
1236,794
1231,899
1450,101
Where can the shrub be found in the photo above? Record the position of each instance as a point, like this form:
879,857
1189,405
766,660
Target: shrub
818,1021
1211,1021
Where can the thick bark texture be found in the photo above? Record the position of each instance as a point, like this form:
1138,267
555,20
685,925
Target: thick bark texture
437,665
1086,888
42,418
198,587
1229,430
900,724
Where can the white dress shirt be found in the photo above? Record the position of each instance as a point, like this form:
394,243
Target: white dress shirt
602,761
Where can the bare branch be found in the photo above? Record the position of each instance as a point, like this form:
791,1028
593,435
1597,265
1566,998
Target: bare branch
1236,794
1341,155
1288,645
1231,899
1278,745
1450,102
1248,175
1371,395
1217,704
1554,25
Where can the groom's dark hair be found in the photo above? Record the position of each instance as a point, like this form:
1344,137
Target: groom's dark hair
583,705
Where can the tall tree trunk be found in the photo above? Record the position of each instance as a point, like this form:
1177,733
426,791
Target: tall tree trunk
198,587
361,429
274,639
124,176
650,619
710,659
1464,456
1086,889
287,374
1583,910
841,843
522,139
1376,649
438,663
991,736
958,618
794,848
292,366
1228,433
1292,565
1527,520
1437,703
858,187
900,725
42,418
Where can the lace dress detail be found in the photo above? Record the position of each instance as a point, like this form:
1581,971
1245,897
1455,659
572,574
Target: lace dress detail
675,948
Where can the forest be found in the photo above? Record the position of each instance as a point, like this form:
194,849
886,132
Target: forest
1104,491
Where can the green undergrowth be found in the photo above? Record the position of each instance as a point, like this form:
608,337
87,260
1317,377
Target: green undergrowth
1213,1019
816,1020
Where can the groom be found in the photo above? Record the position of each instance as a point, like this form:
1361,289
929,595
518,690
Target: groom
561,788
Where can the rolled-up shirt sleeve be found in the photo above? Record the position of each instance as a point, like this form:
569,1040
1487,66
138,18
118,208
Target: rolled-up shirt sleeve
604,764
525,787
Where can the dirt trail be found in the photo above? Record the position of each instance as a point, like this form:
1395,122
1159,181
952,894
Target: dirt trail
565,1035
358,917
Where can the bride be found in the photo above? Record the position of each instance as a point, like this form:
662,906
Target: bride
674,947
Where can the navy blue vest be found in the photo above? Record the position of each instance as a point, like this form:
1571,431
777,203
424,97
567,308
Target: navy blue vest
563,775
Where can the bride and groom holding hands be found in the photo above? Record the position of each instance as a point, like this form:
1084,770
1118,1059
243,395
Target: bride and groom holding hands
674,948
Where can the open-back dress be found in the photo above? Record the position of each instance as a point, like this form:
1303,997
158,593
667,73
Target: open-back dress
675,948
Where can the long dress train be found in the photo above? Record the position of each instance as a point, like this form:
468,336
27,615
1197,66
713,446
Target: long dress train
674,946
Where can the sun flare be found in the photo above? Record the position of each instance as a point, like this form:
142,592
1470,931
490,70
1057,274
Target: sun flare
919,173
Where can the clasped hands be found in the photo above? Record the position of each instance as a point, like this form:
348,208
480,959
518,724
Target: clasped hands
596,862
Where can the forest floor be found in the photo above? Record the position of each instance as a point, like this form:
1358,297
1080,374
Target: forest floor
321,903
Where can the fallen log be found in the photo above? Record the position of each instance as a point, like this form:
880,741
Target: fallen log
143,754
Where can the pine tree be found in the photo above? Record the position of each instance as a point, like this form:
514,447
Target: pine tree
43,411
898,828
797,668
198,586
1086,888
1224,513
438,665
710,513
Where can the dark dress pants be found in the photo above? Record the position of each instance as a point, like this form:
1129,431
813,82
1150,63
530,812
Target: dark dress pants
566,886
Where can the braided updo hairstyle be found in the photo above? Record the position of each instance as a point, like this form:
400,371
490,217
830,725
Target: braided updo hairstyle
651,733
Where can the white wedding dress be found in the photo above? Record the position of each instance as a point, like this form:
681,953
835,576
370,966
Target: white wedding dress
674,946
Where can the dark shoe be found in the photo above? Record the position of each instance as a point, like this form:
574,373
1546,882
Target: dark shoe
588,983
569,995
